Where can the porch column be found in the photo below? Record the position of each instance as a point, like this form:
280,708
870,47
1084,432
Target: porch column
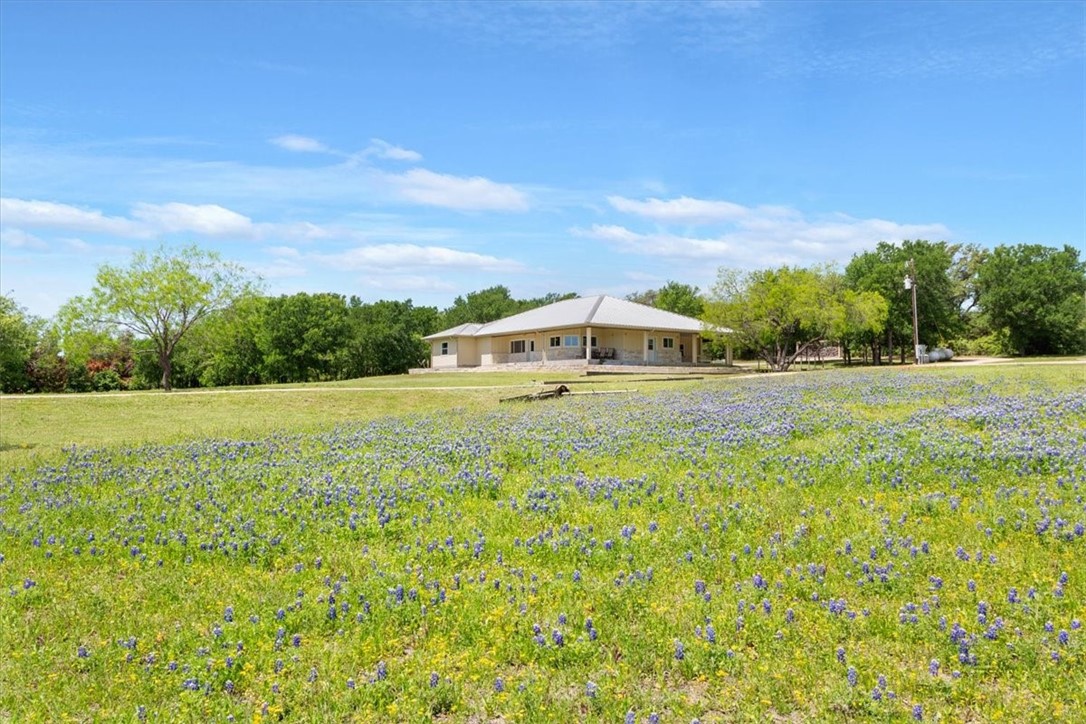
645,347
728,353
695,348
588,344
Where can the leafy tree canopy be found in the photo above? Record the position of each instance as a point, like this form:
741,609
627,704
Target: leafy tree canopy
1038,295
18,335
159,296
939,296
680,298
779,313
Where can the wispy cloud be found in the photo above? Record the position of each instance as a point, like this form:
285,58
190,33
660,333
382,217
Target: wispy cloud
20,213
203,219
409,283
681,210
147,221
748,235
386,150
19,239
411,256
656,244
300,144
473,193
888,40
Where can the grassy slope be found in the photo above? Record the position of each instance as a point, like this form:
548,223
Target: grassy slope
35,428
481,636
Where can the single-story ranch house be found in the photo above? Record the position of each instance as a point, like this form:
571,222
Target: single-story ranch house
581,331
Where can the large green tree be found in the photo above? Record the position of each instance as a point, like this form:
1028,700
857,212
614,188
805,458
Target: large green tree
19,332
939,294
159,296
230,343
487,305
680,298
304,337
1037,294
387,337
778,313
482,306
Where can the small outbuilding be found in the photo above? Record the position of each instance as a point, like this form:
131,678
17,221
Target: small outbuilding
582,331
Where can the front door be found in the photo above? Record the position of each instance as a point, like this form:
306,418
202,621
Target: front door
650,356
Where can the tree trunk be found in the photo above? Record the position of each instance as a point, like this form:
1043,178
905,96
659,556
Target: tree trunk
167,368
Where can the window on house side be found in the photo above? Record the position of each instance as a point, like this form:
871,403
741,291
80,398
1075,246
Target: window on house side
444,348
555,342
669,343
516,346
571,340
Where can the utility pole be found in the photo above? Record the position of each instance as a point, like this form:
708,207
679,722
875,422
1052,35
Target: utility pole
910,283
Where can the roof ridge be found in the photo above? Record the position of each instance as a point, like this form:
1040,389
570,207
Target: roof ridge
595,308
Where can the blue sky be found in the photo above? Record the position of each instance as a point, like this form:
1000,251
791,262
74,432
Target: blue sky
416,150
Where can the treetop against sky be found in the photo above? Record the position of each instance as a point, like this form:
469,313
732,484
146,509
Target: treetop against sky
426,150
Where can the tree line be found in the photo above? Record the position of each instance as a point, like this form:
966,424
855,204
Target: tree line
1026,299
189,319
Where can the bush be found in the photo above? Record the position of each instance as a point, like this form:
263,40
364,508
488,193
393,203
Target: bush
107,380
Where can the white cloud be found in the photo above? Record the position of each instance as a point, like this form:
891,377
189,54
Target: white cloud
384,149
19,239
301,144
409,283
400,256
657,244
457,192
49,215
279,269
284,252
681,210
748,236
205,219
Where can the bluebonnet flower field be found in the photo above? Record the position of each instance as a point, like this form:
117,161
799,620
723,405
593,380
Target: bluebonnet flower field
891,545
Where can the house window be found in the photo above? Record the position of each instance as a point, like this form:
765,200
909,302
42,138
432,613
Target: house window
531,345
584,340
444,348
669,343
516,346
570,340
555,342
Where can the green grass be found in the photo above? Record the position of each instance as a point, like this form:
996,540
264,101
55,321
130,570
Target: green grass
34,429
568,505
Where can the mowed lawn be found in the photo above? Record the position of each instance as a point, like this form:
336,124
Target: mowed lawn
883,544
